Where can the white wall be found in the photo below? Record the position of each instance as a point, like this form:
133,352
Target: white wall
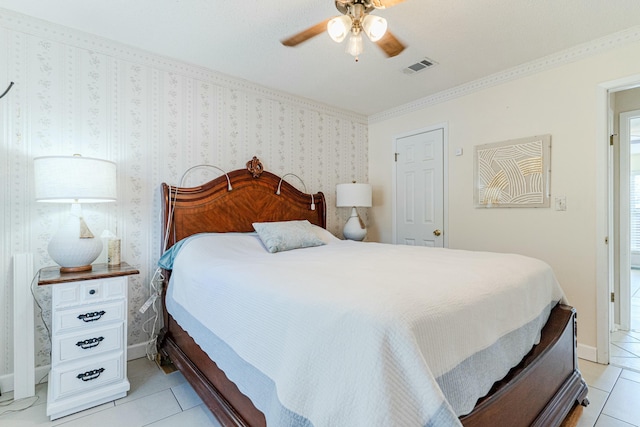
562,101
154,117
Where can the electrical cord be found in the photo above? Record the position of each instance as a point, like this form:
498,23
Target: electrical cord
44,322
155,284
9,403
33,294
155,293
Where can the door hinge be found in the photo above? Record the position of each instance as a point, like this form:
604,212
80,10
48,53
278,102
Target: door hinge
606,240
396,156
611,138
613,297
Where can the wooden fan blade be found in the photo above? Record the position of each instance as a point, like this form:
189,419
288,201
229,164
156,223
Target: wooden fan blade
390,44
306,34
385,4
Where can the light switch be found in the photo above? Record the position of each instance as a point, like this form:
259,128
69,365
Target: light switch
561,203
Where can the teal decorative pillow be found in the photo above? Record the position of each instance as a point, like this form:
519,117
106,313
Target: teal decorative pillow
287,235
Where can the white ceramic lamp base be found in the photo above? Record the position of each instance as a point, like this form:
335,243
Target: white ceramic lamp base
71,247
354,229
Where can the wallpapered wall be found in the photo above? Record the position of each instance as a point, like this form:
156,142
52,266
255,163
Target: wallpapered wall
154,117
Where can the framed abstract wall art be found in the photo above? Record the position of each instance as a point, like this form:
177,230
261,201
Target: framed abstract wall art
513,174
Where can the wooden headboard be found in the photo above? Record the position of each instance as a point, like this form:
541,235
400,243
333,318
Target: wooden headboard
212,208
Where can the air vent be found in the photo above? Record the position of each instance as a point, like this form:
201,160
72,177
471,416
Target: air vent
419,66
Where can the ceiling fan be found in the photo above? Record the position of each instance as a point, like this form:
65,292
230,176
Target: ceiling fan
354,21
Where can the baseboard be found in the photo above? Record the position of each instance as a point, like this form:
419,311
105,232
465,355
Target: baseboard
135,351
6,381
587,352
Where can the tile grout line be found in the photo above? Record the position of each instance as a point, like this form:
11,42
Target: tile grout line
168,416
607,399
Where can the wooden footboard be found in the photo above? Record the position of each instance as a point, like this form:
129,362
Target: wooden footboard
543,388
540,391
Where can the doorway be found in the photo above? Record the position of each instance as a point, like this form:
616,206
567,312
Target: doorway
624,347
419,192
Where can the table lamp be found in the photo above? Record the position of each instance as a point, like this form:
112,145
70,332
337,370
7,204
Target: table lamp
354,195
74,179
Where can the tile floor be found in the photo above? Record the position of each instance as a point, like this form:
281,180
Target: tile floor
614,394
625,345
161,400
155,399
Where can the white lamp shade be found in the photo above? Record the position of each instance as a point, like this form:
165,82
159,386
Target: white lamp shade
339,27
74,179
354,45
353,194
374,27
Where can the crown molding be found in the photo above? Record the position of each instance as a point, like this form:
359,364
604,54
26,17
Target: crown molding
26,24
576,53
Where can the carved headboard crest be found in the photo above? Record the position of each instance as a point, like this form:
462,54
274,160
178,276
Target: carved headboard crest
254,166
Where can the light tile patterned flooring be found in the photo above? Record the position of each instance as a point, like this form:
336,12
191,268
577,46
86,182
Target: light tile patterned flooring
625,345
155,399
161,400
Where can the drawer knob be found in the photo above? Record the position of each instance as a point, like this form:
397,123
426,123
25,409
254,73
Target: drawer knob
90,375
89,343
92,291
92,317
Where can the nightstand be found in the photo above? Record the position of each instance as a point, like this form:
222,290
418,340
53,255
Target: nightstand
88,337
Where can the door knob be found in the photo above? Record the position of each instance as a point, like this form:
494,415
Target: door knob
437,233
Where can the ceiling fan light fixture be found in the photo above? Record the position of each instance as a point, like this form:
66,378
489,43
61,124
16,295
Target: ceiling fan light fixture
374,27
354,46
339,27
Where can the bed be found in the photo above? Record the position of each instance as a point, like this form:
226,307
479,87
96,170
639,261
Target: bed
541,387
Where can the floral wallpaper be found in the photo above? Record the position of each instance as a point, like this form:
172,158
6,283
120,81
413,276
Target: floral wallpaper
155,118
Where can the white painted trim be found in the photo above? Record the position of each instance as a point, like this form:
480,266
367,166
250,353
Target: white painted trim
587,352
135,351
624,300
624,238
6,381
576,53
445,175
602,226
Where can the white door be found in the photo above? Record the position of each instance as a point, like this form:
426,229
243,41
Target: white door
419,218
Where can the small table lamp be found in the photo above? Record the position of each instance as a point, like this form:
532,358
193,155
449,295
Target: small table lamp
74,179
354,195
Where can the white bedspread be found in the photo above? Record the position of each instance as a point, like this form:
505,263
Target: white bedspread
365,334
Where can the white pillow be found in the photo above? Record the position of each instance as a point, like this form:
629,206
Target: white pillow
286,235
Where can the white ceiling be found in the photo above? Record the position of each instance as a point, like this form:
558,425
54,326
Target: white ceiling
469,39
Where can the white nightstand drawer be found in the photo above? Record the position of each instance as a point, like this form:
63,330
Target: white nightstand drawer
88,316
97,341
86,376
89,291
